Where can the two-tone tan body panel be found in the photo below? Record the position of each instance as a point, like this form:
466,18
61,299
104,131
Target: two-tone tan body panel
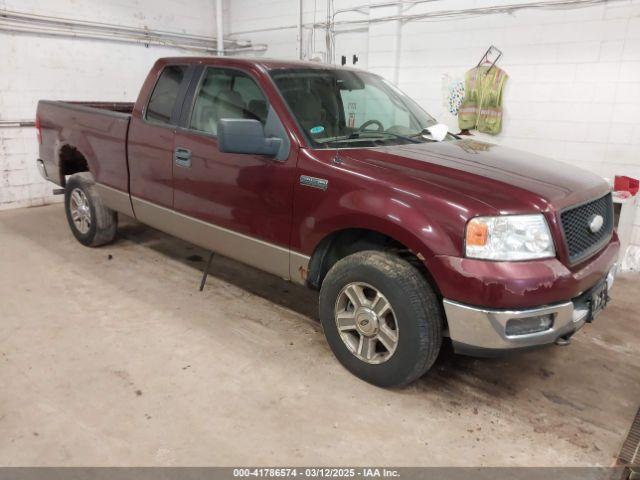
262,255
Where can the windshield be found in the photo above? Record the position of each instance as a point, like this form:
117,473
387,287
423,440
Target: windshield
343,108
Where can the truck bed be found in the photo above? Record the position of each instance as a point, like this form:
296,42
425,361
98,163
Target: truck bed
97,129
121,107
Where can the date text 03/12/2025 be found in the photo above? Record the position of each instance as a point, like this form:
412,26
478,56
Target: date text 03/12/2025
316,472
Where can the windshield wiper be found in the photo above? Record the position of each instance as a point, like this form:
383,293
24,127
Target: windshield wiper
338,138
370,136
394,135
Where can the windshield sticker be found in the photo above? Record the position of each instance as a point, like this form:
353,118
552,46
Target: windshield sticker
352,120
317,129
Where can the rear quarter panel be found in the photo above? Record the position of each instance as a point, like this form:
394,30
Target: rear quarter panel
99,135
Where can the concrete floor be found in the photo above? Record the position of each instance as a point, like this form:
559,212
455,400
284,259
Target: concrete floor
111,356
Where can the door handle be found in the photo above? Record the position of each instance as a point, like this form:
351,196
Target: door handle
182,157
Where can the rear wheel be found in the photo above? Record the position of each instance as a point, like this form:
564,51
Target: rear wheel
92,223
381,318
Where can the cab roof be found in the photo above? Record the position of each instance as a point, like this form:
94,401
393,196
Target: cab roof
265,63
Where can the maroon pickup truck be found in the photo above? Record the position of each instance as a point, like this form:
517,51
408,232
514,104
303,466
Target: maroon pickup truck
333,178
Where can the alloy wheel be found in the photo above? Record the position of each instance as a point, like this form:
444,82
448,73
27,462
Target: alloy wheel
366,323
80,211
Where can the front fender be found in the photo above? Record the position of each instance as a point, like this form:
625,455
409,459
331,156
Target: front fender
378,212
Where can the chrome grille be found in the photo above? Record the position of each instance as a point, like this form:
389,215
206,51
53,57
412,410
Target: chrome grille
581,241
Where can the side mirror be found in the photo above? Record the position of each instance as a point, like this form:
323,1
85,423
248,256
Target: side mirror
239,135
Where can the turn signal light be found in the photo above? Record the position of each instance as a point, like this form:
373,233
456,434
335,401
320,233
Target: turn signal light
477,233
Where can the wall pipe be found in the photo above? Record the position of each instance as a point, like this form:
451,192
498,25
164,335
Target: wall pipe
462,12
16,123
146,41
219,31
365,8
442,13
48,25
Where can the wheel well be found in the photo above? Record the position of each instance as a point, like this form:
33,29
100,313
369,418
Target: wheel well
71,161
347,242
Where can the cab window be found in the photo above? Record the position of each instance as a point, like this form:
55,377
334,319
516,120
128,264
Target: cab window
226,93
163,98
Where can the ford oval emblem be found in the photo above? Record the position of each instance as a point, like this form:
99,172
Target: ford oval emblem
595,224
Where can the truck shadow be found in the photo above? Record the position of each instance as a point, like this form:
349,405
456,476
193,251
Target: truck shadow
292,296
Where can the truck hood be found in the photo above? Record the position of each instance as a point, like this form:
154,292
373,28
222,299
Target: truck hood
509,180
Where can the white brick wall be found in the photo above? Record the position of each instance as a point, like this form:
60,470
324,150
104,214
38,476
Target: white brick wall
574,87
36,67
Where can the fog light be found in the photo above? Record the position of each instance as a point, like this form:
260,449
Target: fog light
524,326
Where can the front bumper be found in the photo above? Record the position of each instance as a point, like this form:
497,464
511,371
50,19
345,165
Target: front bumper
518,285
482,332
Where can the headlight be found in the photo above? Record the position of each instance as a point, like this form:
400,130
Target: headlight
509,237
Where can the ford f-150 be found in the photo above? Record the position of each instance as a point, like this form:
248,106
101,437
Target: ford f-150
333,178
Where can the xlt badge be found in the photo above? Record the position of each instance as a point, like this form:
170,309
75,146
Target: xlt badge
321,183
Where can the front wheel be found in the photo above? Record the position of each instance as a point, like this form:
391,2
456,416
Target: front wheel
381,318
91,222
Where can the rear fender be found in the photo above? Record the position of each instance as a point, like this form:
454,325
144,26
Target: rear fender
77,141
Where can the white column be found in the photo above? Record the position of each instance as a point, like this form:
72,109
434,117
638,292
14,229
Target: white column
219,29
384,42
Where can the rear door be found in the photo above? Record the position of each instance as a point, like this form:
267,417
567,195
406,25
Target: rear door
151,137
247,198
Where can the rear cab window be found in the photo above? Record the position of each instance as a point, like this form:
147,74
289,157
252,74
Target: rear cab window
161,108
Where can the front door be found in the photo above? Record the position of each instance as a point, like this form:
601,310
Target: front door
242,203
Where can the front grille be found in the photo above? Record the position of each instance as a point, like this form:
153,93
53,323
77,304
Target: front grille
581,241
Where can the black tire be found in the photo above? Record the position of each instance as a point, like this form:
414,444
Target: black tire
416,310
103,220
